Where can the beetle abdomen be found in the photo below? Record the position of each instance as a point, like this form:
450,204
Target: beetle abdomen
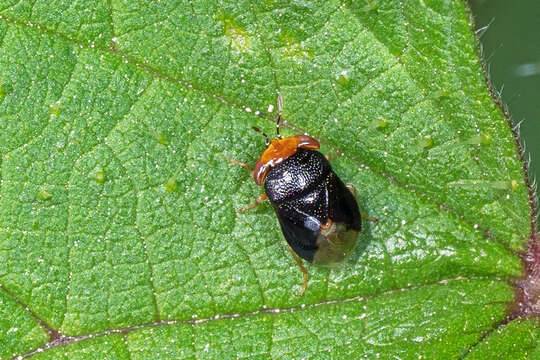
318,215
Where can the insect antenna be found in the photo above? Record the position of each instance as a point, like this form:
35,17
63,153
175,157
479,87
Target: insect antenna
262,133
280,109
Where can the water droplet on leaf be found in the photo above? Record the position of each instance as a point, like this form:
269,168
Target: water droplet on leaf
54,109
100,176
380,123
44,194
171,184
161,138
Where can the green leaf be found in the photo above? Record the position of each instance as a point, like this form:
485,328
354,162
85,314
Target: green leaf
118,231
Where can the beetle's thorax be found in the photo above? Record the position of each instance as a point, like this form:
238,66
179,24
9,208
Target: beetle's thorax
278,150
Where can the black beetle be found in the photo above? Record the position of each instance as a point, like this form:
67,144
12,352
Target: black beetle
318,213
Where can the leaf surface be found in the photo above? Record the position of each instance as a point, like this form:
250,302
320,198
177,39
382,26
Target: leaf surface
118,231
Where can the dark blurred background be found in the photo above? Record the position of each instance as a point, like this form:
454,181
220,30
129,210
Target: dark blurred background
511,49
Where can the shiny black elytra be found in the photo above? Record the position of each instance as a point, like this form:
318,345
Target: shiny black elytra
318,214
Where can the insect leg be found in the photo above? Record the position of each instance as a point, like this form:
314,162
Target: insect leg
369,218
304,271
244,165
353,190
257,201
332,156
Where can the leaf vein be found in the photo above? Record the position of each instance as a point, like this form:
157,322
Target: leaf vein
64,340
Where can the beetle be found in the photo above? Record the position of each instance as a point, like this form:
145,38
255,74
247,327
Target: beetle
317,212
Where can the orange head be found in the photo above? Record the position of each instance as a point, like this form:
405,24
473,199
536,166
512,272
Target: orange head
278,150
